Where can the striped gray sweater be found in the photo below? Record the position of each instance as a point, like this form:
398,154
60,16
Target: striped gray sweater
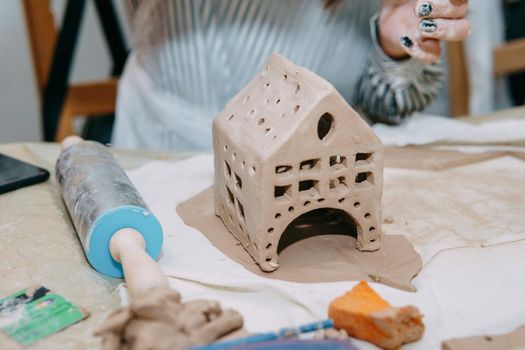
202,52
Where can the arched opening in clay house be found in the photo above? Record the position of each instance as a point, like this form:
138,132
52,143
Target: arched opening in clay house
326,224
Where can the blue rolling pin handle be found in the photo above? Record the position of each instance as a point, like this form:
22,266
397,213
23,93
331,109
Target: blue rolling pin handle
257,338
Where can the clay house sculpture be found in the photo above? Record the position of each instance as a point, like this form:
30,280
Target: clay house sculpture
289,144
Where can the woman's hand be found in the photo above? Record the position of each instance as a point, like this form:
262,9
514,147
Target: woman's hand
416,27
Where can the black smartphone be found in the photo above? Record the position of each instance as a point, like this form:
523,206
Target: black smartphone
15,174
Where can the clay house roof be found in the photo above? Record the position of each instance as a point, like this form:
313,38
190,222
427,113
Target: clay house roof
278,103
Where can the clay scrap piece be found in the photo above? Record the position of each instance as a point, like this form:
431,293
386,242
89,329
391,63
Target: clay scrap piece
323,250
511,341
159,321
289,144
363,314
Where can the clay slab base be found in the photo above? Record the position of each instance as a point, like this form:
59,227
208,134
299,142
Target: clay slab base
514,340
326,255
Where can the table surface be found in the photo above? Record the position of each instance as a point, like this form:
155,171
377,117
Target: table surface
38,244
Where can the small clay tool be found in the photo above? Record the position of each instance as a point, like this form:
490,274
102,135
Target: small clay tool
264,337
120,236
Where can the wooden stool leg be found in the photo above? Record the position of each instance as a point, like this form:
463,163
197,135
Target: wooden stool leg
457,79
65,125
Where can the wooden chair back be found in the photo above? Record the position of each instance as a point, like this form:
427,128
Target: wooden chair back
83,99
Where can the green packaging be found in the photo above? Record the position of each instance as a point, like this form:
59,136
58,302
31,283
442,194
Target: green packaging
35,313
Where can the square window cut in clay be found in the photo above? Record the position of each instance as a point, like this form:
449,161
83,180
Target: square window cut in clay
287,146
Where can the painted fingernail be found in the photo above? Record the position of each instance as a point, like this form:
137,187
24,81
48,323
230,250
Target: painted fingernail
406,41
428,25
425,9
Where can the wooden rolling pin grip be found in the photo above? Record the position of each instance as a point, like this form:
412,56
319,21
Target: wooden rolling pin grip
141,272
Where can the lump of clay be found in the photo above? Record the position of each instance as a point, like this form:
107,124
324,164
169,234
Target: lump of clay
158,320
288,144
363,314
514,340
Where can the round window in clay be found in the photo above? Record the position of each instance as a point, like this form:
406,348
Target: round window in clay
324,125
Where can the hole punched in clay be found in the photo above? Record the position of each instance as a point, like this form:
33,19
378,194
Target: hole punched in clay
363,158
324,125
282,169
283,192
230,198
338,184
309,187
240,210
364,179
227,170
310,165
338,162
238,182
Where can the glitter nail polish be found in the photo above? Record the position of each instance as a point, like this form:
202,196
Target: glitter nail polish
425,9
428,25
406,41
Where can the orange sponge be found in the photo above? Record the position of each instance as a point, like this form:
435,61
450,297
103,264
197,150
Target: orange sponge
365,315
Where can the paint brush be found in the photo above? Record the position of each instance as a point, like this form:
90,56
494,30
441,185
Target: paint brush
261,337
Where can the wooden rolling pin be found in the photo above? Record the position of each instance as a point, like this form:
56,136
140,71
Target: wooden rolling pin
120,236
